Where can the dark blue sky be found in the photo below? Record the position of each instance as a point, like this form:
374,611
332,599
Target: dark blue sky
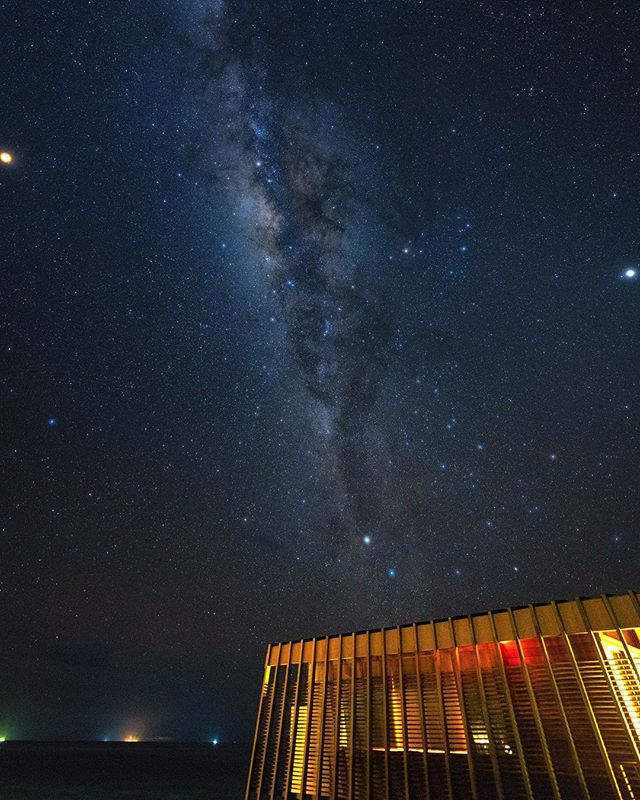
316,316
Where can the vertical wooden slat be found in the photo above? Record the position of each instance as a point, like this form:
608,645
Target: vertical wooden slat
536,712
563,715
255,735
634,601
588,706
405,738
443,717
283,709
294,722
267,733
385,718
321,724
485,713
336,741
457,673
311,683
512,713
423,727
352,721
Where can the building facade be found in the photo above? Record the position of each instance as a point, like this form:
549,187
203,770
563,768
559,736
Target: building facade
538,703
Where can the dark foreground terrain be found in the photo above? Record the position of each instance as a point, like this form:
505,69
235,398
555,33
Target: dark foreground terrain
119,771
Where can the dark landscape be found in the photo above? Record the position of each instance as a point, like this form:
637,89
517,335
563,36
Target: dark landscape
119,770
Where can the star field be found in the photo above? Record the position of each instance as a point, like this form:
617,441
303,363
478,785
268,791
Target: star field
316,316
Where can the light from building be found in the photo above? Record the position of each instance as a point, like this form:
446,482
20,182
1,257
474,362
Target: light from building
524,703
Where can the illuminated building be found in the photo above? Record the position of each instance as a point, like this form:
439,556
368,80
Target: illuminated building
539,703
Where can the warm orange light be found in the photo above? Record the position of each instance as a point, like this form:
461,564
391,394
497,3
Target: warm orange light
396,717
5,157
624,677
131,738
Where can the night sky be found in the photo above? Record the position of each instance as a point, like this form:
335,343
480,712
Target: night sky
317,315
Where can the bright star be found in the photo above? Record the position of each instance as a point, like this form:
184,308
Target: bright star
391,573
630,273
366,539
6,157
52,421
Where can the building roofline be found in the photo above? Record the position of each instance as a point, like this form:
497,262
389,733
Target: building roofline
473,614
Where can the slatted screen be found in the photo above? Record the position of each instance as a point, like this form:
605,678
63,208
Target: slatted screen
541,703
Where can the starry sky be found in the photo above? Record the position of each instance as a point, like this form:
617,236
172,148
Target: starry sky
316,315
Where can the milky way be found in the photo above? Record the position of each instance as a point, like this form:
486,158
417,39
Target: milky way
319,246
318,315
